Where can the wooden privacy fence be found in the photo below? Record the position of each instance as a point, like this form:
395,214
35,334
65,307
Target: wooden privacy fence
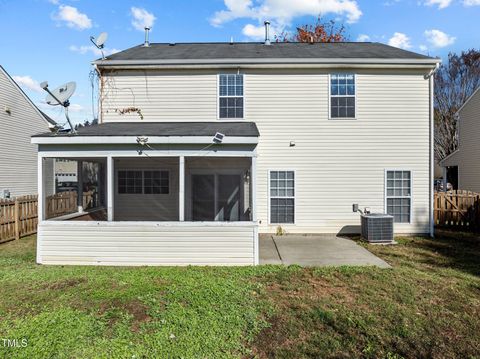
19,216
457,209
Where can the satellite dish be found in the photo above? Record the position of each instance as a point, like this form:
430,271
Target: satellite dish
61,94
100,42
101,39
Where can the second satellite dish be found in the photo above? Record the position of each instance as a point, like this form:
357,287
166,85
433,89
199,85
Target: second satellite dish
100,42
61,94
101,39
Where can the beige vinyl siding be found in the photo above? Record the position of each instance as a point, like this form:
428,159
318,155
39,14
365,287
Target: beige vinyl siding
467,158
337,162
341,162
135,244
18,157
161,96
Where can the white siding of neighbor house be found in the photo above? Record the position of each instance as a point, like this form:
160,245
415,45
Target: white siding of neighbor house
147,243
337,162
18,157
467,158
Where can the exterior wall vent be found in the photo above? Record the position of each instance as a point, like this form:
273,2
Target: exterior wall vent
377,227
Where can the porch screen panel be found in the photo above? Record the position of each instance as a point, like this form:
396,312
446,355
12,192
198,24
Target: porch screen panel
217,189
203,197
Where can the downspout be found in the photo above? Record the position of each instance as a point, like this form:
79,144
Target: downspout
430,78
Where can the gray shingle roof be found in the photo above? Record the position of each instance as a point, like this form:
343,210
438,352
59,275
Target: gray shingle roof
243,50
242,129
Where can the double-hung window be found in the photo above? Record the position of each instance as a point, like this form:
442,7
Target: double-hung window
342,96
230,93
282,197
143,182
399,195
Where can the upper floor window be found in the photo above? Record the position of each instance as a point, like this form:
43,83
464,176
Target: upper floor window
342,96
230,95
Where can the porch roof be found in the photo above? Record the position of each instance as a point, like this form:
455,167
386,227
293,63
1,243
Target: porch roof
163,129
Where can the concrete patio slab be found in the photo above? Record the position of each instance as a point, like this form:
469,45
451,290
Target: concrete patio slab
315,250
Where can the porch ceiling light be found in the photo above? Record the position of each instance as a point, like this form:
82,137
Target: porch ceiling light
142,140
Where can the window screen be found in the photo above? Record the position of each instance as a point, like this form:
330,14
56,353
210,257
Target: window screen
155,182
399,193
129,182
282,197
231,96
342,96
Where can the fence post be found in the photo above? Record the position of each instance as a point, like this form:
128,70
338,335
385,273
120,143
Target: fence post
17,219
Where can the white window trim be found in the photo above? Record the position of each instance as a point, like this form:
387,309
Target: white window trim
411,193
330,97
117,193
294,197
218,98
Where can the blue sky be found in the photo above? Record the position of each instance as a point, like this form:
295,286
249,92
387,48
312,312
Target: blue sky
49,39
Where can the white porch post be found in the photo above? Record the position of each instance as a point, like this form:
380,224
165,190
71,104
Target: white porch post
41,204
40,189
110,188
181,189
80,186
253,181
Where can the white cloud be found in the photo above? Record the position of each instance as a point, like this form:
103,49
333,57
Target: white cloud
75,107
282,12
73,18
400,40
258,32
90,48
471,2
141,18
438,38
27,82
54,2
423,48
442,4
363,38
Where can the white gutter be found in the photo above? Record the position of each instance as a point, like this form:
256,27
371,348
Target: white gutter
133,140
268,61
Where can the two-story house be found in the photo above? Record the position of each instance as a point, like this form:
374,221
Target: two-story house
202,146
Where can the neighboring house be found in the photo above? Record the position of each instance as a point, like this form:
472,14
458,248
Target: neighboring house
65,171
19,120
464,163
309,130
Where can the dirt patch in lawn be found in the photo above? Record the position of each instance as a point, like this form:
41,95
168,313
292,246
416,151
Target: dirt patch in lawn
66,283
134,308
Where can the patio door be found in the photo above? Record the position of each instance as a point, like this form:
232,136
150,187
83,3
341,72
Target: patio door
203,197
216,197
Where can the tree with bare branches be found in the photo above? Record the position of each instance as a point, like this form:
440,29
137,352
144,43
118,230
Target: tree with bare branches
320,31
455,82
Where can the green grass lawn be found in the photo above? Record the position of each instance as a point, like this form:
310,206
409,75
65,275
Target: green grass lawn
427,305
